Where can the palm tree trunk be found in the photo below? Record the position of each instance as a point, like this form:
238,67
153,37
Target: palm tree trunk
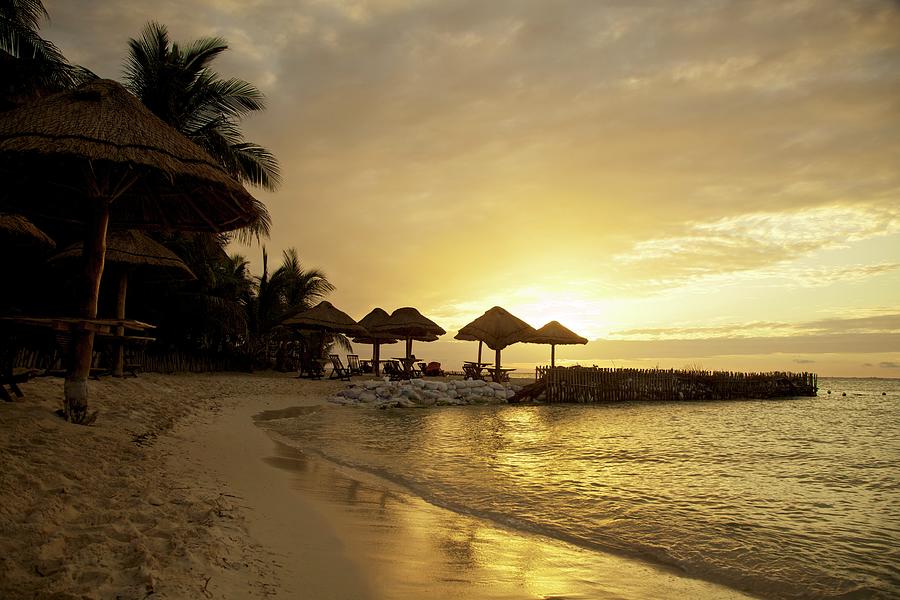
76,393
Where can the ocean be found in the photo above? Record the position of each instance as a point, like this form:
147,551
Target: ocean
790,498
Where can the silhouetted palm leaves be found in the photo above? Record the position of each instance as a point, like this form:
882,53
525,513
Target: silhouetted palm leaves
31,66
178,85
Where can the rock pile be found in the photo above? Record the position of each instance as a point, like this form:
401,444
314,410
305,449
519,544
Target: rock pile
420,393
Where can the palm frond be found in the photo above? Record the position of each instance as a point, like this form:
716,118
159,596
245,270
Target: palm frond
41,66
341,341
178,85
197,55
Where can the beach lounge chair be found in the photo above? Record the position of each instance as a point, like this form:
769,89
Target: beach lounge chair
394,371
353,364
338,370
433,369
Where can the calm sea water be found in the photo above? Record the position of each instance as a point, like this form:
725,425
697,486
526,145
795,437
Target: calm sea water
782,498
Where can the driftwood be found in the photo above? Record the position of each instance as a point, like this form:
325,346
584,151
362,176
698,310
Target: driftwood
530,392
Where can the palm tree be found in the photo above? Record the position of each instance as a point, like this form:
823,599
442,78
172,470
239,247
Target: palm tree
31,65
287,291
178,85
211,312
301,288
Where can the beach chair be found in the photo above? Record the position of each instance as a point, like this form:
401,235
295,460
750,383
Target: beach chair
394,371
353,364
338,370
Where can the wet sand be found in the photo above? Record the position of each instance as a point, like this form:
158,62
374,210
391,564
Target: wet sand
177,492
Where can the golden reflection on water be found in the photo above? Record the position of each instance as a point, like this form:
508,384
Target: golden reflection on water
411,549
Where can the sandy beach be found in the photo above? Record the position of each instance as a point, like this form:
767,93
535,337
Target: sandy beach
176,493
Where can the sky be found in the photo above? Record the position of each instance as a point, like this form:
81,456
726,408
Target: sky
706,183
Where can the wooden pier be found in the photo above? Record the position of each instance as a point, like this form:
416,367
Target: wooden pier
593,384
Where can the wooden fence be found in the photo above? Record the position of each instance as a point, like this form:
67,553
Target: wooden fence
52,359
191,362
593,384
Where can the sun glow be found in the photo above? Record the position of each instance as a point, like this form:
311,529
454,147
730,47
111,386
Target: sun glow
537,305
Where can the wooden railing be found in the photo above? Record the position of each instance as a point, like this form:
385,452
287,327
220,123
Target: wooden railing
593,384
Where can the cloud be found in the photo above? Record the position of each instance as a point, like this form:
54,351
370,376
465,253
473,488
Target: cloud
760,241
885,323
707,347
803,361
824,276
873,324
440,154
889,365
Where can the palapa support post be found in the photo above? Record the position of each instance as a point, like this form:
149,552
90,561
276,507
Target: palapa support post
119,366
376,355
408,346
552,355
76,394
480,344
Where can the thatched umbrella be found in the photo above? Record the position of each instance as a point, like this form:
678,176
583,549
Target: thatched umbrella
378,316
326,318
95,155
498,329
410,324
18,232
126,252
555,334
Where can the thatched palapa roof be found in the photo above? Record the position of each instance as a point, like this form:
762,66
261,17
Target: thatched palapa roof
19,232
134,250
157,177
556,334
497,328
325,317
377,317
409,323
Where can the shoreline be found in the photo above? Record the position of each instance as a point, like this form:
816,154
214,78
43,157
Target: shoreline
458,555
176,491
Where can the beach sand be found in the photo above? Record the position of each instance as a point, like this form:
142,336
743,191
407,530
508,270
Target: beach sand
175,492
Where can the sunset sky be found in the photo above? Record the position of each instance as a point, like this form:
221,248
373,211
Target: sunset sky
699,182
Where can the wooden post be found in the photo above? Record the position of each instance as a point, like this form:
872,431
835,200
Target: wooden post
479,350
408,346
76,394
119,366
376,350
552,355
